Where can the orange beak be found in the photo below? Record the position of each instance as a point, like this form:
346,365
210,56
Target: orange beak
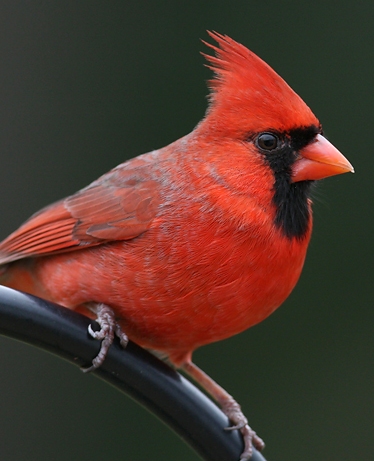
318,160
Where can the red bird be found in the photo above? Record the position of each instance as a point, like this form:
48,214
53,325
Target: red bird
194,242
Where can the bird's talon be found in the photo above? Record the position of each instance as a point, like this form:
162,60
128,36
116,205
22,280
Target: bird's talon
91,332
88,369
237,427
109,328
230,428
239,422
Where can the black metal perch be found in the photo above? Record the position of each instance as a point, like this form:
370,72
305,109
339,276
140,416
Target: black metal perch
148,380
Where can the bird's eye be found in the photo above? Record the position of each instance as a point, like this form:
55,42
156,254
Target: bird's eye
267,141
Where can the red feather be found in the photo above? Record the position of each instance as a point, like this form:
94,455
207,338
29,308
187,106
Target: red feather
199,240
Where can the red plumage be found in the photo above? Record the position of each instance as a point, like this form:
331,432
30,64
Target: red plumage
199,240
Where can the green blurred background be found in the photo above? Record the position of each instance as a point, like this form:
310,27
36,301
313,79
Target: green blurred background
85,85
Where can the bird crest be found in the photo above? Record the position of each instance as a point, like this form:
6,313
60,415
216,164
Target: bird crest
246,88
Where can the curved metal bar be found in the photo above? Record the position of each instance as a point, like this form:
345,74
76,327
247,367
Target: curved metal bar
136,372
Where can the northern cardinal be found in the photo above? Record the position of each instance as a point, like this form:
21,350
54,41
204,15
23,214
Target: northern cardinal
194,242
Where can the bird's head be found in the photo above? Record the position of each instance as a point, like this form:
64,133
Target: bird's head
249,101
252,104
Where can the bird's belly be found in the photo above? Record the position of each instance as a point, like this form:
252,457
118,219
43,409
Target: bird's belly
175,303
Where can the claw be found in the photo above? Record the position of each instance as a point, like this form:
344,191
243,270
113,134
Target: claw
91,332
237,427
109,327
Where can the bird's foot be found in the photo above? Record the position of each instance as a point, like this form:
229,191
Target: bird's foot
230,408
109,328
233,411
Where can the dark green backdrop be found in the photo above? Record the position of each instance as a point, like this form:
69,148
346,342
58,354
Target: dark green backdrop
85,85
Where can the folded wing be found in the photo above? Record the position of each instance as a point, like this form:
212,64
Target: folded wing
118,206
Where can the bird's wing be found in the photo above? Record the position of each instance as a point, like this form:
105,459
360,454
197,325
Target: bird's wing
119,206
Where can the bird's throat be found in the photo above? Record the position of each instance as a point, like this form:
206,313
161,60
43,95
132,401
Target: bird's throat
292,203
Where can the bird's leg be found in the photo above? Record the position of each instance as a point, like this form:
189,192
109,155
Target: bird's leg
109,328
229,407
